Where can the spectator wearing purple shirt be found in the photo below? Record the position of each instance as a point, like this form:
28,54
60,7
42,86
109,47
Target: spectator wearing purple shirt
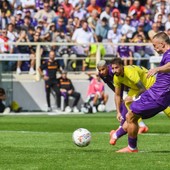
155,99
124,52
39,4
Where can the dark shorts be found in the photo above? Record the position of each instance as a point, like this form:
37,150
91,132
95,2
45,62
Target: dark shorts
145,106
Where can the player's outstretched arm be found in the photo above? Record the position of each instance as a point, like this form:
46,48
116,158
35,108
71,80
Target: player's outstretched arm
162,69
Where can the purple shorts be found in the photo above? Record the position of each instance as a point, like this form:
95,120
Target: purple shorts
145,106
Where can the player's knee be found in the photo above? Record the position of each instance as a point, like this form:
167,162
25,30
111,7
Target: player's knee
131,117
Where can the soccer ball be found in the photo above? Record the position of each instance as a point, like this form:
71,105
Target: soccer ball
101,108
81,137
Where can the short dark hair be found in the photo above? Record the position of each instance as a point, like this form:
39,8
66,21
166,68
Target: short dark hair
117,61
162,36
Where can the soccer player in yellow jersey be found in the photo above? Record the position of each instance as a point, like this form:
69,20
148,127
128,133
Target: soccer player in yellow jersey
134,77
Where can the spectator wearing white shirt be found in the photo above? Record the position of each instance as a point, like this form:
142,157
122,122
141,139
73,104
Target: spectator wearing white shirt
46,12
106,13
127,29
82,35
6,48
28,5
11,34
114,36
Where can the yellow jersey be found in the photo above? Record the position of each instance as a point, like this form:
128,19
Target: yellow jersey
132,75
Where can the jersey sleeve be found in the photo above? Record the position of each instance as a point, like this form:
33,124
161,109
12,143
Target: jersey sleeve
116,81
43,65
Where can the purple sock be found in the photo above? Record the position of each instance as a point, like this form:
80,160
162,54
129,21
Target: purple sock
120,132
132,142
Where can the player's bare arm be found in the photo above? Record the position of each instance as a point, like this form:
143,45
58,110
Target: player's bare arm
118,102
141,88
162,69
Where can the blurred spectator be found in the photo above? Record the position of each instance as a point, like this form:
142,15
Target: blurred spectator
93,6
19,20
124,52
67,89
139,51
101,3
70,26
46,12
30,33
127,29
106,13
136,7
68,8
114,36
15,3
27,23
124,6
60,25
6,48
7,8
82,35
53,4
39,4
23,49
33,21
28,5
134,20
36,38
102,28
153,31
139,31
93,19
79,12
60,14
11,33
147,21
4,19
115,18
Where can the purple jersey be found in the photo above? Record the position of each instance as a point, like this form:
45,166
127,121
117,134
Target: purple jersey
162,85
109,78
123,51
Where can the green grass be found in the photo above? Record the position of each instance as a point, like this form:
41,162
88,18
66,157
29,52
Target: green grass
45,142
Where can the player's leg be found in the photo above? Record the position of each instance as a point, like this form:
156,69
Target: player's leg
58,94
128,100
144,107
142,127
48,90
116,134
76,96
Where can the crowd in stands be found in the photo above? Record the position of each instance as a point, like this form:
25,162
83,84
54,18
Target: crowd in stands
81,21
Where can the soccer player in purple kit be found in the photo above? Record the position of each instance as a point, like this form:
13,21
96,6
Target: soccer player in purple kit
106,74
156,98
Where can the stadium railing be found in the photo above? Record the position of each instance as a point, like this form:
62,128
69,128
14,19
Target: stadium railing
154,59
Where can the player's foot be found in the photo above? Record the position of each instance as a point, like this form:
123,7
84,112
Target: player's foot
143,129
127,150
112,140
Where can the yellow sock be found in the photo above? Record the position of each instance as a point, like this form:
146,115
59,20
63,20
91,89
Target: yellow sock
167,111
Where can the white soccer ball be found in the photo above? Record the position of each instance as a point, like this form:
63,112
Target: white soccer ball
81,137
101,108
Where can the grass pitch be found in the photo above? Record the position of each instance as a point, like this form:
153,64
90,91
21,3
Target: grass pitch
45,143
